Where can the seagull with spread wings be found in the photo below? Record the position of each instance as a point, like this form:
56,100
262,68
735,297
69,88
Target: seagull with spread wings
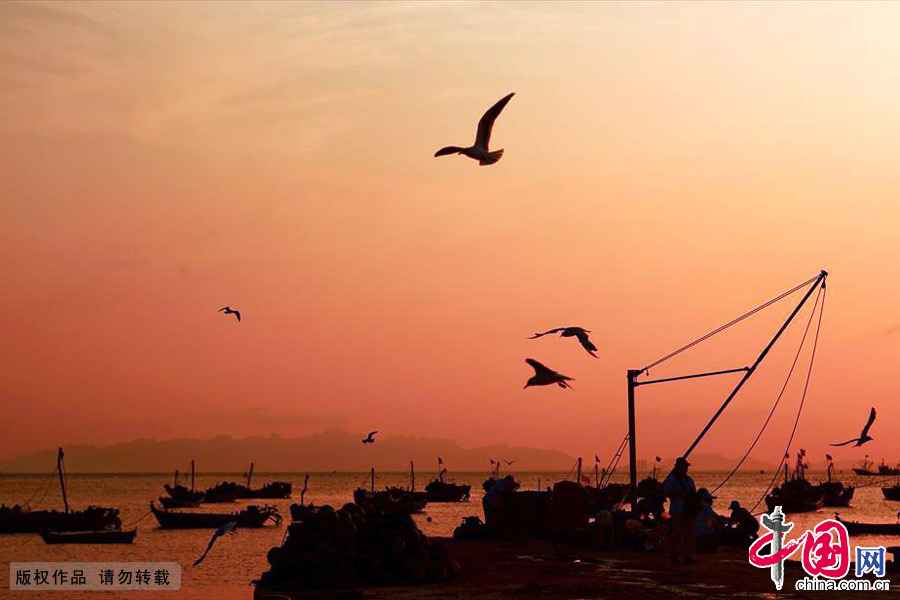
230,311
577,332
370,439
479,150
227,528
546,376
864,436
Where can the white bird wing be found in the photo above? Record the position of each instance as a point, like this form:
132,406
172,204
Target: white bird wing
486,123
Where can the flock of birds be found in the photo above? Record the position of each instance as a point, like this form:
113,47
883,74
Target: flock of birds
480,151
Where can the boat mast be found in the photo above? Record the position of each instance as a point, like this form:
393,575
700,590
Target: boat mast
373,480
578,472
62,479
249,474
596,475
412,476
192,475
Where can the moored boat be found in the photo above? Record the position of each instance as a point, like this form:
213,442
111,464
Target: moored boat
272,491
858,528
891,493
251,516
111,536
180,496
18,519
392,500
834,492
439,490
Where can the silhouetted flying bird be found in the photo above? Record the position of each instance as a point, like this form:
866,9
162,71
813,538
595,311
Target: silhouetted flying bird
229,528
864,436
479,150
577,332
546,376
370,439
230,311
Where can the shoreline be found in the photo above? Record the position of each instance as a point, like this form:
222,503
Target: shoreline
538,569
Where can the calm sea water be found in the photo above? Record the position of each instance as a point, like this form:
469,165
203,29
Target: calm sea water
236,560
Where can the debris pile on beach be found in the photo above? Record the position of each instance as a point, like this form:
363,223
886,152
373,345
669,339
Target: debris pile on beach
329,549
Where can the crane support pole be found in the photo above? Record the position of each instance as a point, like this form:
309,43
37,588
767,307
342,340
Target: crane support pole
820,280
632,444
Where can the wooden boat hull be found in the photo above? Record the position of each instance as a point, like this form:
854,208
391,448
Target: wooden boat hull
16,520
277,490
891,493
390,502
183,494
438,491
112,536
857,528
174,503
201,520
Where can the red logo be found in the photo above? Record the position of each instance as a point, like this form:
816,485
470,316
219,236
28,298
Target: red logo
821,554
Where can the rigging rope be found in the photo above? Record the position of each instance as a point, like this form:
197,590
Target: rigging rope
802,399
735,321
614,461
787,380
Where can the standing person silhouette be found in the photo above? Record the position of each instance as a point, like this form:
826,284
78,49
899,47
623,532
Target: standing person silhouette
684,506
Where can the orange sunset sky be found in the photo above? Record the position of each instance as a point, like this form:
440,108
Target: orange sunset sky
667,166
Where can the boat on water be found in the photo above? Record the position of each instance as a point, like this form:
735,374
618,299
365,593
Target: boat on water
883,470
835,493
18,519
227,491
858,528
251,516
891,493
274,490
179,495
393,500
797,494
439,490
114,536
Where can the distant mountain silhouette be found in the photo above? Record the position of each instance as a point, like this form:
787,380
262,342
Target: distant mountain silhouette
332,450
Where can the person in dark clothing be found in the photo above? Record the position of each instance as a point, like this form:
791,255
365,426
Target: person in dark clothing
743,520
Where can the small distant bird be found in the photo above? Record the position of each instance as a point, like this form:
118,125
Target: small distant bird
370,439
479,150
230,311
864,436
577,332
546,376
227,528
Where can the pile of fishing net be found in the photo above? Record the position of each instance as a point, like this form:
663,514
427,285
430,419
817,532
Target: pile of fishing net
352,547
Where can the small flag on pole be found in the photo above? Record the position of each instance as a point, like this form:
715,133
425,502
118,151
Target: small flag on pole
828,457
658,459
440,460
596,458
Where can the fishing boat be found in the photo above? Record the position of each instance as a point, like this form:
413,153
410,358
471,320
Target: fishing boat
272,491
891,493
18,519
392,500
251,516
883,470
179,495
795,495
227,491
857,528
439,490
835,493
113,536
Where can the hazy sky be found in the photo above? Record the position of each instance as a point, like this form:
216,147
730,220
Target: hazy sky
667,166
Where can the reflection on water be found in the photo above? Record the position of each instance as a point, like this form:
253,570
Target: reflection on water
236,560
